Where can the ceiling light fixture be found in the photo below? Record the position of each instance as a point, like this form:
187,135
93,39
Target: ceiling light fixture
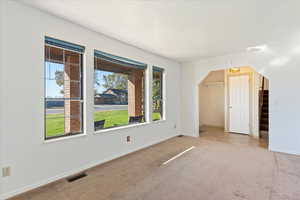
234,70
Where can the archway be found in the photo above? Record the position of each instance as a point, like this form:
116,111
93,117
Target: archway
216,103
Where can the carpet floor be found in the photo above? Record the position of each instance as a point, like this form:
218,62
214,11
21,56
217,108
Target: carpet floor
218,166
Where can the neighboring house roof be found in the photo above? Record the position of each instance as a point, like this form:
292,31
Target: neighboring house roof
106,95
116,91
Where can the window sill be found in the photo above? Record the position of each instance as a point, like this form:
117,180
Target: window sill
121,127
128,126
158,121
103,131
64,138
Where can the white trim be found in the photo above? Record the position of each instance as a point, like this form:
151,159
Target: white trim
158,121
121,127
74,171
226,101
164,96
66,137
190,134
196,114
291,152
164,92
128,126
147,94
83,85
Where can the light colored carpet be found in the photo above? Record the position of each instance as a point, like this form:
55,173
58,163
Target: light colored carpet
222,166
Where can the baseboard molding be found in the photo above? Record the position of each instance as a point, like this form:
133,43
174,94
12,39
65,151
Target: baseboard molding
189,134
284,151
77,170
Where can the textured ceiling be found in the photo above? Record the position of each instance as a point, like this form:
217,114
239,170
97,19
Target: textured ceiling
183,29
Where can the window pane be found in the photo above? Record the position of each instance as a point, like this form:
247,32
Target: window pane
63,92
72,89
72,57
118,95
54,55
73,113
72,75
54,80
55,120
157,96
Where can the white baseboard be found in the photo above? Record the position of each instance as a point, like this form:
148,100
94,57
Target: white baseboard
77,170
189,134
286,151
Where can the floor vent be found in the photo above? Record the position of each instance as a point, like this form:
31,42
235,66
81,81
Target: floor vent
76,177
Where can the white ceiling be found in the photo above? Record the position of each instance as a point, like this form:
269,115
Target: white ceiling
183,29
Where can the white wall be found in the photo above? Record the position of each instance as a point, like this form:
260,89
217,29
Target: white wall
1,83
211,99
280,64
34,162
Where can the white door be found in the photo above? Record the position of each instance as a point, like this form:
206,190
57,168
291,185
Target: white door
239,99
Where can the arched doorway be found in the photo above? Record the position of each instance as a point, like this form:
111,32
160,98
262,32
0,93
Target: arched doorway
235,100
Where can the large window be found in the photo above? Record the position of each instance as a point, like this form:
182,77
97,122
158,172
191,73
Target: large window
118,91
157,94
63,88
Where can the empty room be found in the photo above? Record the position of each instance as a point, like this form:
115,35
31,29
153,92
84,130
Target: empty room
149,100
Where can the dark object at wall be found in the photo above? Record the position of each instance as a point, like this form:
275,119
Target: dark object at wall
136,119
99,125
76,177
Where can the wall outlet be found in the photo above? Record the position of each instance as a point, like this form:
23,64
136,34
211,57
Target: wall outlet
5,171
128,138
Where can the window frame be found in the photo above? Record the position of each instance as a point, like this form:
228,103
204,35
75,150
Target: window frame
81,99
137,65
163,92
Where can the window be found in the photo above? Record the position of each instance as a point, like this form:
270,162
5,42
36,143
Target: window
118,91
63,88
157,94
